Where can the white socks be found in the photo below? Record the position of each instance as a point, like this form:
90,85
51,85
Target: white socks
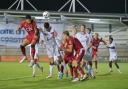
38,65
34,70
51,70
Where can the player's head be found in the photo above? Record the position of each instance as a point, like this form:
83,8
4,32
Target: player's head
66,34
96,35
88,30
47,26
28,18
110,40
82,27
74,29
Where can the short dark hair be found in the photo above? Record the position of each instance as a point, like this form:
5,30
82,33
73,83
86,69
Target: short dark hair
110,38
66,33
83,25
75,26
46,25
28,17
89,29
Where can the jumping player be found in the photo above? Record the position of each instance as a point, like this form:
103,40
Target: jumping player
32,37
52,49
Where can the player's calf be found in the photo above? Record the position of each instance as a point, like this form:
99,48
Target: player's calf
24,57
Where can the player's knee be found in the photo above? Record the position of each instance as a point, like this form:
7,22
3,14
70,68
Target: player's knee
60,59
22,46
32,46
51,63
115,62
110,62
69,64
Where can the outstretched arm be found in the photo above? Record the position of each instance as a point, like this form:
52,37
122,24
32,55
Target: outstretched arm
111,47
101,40
20,26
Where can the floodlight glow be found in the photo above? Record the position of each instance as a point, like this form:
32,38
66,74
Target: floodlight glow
40,17
94,19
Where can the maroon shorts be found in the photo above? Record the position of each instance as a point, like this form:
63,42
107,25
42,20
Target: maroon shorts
32,39
94,53
68,58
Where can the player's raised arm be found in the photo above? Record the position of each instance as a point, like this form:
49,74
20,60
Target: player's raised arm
101,40
20,26
111,47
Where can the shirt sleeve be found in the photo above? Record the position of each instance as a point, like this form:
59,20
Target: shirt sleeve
51,34
35,25
21,24
42,36
113,44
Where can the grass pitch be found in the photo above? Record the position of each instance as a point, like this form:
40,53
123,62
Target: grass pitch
18,76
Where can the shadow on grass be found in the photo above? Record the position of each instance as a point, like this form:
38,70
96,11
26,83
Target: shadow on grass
106,74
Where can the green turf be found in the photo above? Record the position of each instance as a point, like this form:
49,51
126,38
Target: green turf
18,76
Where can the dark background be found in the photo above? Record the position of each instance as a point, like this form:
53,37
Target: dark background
99,6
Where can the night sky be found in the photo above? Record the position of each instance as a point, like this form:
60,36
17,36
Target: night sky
99,6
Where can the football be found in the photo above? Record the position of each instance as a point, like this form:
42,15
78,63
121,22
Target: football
46,15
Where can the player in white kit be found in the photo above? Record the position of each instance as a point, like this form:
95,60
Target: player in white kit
112,54
85,38
89,68
82,36
74,30
49,38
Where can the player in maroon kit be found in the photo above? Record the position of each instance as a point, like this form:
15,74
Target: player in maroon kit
95,44
70,46
32,37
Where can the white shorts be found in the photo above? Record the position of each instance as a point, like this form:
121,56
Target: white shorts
52,51
88,54
56,60
113,57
